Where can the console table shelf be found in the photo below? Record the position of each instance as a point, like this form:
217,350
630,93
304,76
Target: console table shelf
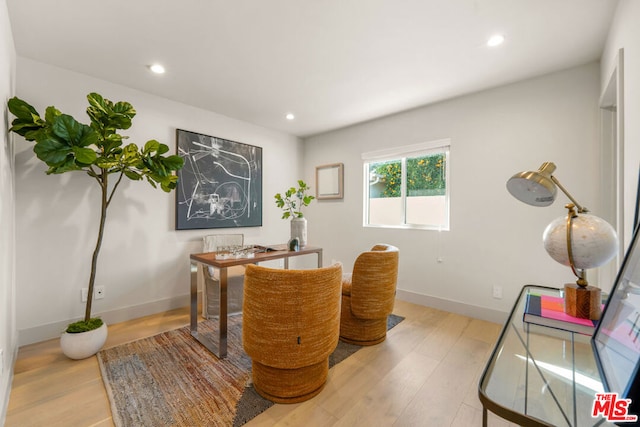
540,376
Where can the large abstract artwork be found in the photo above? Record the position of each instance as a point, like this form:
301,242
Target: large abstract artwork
220,185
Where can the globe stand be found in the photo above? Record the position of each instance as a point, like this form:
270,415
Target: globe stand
582,301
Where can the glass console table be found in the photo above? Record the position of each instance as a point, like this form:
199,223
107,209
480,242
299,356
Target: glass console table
540,376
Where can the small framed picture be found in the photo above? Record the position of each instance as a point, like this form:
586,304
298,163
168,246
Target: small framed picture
329,181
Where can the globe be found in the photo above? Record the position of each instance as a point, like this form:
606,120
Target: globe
594,241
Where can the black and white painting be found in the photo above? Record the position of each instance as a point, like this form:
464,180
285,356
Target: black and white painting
220,185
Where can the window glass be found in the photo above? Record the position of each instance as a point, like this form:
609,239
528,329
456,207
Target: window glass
409,191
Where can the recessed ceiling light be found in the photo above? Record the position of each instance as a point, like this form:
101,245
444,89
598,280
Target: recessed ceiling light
157,69
290,116
495,40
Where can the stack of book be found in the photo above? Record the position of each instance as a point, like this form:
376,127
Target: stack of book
547,310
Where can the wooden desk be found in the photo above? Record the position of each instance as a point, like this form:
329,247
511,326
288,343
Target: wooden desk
209,259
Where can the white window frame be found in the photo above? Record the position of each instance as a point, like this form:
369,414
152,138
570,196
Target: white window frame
401,153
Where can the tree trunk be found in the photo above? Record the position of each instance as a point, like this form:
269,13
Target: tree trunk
94,260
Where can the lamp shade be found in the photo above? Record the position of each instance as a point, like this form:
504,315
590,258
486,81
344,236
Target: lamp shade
535,188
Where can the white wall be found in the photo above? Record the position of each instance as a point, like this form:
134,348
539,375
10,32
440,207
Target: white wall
625,34
144,261
8,336
494,239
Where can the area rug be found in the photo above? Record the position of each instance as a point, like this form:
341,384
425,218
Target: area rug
171,380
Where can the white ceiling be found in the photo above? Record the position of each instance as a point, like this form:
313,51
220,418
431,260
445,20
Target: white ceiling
332,63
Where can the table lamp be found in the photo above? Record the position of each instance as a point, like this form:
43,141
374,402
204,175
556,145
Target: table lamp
579,240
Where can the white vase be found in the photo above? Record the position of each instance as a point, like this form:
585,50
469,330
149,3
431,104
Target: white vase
299,230
83,344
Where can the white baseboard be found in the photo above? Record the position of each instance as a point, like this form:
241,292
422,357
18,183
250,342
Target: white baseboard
482,313
54,330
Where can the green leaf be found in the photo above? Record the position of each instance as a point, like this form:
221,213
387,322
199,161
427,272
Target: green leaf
69,164
130,150
28,122
173,163
97,103
51,151
124,113
111,144
164,148
22,109
132,175
150,181
106,117
69,130
106,163
51,113
86,156
36,134
151,146
167,183
26,128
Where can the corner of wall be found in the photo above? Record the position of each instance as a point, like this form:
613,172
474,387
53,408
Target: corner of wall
8,330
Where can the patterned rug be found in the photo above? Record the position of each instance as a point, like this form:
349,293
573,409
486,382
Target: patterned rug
171,380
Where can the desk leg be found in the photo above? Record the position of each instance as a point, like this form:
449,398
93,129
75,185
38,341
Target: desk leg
222,330
320,259
286,263
219,350
193,315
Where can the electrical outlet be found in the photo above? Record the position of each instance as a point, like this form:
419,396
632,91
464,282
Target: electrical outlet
497,292
98,293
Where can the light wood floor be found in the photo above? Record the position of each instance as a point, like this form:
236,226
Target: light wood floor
425,374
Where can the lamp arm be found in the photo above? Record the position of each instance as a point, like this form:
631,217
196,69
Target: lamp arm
581,209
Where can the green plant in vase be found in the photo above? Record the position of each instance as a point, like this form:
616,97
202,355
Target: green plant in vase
291,203
66,145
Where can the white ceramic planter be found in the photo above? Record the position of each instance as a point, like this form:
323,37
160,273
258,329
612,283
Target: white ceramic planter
84,344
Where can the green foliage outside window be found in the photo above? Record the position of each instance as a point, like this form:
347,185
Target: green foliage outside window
425,176
389,175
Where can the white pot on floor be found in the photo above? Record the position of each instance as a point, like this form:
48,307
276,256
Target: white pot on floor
83,344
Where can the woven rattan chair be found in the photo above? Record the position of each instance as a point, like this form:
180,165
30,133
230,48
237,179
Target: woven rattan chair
368,295
290,326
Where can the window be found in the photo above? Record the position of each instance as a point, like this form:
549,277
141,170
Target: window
408,187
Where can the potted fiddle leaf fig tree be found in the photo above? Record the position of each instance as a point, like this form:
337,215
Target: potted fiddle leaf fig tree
96,149
291,203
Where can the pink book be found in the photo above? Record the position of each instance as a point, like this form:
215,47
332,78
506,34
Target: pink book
548,310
